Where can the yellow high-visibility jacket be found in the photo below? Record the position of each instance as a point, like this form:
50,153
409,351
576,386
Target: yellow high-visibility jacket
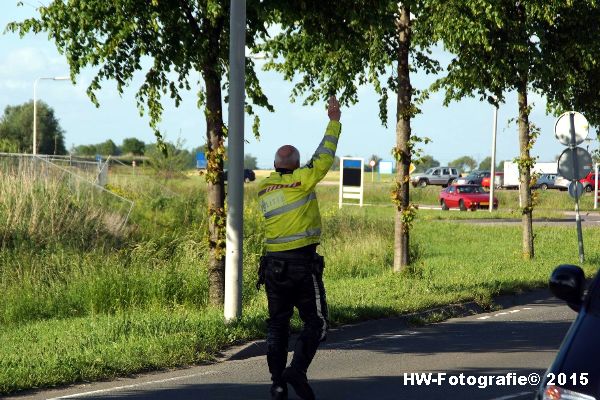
289,202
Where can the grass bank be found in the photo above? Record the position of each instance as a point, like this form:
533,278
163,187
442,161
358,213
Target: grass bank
78,313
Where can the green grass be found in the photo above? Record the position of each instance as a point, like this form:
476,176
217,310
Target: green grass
78,313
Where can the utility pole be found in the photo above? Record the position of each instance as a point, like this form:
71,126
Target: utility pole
493,166
235,176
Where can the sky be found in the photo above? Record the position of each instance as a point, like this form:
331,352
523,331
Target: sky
463,128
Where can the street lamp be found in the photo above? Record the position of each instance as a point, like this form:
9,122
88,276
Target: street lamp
56,78
235,185
494,102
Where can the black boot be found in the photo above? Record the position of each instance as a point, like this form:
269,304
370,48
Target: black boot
279,391
299,382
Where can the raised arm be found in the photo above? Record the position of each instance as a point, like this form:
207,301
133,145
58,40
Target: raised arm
321,161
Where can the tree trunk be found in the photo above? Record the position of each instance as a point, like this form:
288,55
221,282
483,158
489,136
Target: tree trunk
215,187
402,152
525,171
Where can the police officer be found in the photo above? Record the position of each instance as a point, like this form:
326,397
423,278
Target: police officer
291,270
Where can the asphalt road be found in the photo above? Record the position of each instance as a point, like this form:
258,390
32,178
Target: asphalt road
370,360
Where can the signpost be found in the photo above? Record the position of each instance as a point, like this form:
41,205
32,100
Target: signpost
575,189
351,180
386,167
372,164
200,160
574,163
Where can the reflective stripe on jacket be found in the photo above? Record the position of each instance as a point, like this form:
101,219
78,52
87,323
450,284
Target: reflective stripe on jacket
289,202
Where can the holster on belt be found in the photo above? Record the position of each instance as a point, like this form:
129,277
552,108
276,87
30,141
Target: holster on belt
276,265
279,266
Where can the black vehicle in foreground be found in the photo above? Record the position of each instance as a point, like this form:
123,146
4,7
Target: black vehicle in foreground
249,175
575,372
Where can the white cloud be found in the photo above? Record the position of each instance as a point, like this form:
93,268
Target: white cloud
21,66
13,84
23,61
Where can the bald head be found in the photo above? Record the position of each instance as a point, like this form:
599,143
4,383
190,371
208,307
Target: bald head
287,157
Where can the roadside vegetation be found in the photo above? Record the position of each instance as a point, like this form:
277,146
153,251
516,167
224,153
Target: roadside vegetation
83,302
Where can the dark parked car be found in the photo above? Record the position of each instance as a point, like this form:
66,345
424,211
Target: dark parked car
474,178
249,175
575,373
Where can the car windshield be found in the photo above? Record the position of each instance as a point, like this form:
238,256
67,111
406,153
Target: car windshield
470,189
472,175
429,171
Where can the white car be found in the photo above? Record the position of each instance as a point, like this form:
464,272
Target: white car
561,183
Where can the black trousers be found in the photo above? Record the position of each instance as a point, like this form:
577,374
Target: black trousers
294,281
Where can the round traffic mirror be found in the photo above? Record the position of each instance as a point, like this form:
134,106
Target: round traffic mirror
562,128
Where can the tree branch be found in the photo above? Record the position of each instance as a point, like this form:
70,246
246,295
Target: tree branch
192,21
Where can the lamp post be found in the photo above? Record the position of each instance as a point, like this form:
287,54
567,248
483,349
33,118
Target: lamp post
235,179
56,78
493,100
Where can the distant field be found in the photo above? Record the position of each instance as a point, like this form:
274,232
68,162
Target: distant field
76,310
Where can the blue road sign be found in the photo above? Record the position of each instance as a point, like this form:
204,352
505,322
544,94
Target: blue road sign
352,164
200,161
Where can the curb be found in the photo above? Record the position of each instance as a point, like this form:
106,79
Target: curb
258,348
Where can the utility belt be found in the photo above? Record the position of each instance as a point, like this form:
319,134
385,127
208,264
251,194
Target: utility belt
280,262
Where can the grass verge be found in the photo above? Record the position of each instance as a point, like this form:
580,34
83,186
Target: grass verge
72,314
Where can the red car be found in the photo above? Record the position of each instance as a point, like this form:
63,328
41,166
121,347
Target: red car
589,182
485,182
465,197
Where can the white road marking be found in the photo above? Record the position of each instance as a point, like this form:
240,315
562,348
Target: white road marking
503,313
512,396
177,378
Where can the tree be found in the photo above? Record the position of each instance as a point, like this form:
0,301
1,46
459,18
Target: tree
133,146
250,162
426,162
485,164
464,163
8,145
184,40
336,46
108,148
170,165
504,45
16,129
85,150
571,52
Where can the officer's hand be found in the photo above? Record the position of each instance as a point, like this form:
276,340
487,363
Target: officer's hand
333,109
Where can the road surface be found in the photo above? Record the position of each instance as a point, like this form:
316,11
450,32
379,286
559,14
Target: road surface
370,360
